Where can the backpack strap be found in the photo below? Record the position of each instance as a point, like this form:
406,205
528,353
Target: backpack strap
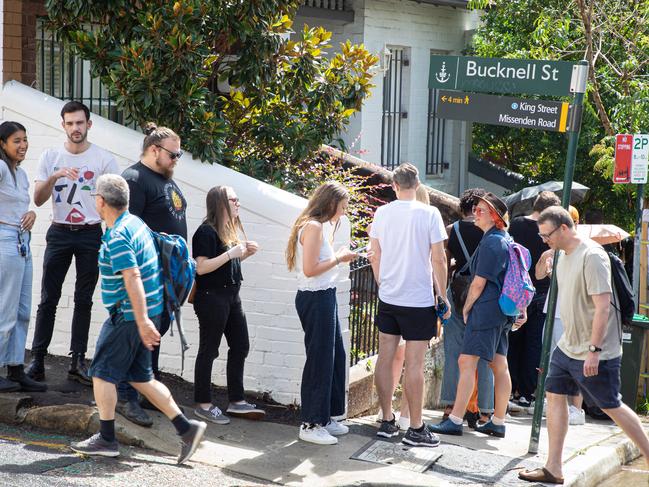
467,257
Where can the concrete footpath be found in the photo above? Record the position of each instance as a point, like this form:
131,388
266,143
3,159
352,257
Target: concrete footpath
271,452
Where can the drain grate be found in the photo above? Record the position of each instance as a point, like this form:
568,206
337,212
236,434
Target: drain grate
416,459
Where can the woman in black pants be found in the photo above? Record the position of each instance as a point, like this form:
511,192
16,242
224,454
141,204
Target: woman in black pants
218,251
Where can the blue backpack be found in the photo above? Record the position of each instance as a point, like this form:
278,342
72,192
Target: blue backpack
178,273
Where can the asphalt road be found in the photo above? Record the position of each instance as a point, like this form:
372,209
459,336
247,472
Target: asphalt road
35,459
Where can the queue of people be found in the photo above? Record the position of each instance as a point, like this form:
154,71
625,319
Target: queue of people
488,357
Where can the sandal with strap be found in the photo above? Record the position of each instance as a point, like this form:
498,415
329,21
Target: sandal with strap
541,475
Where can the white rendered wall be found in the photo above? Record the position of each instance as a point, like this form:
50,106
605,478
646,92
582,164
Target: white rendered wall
276,357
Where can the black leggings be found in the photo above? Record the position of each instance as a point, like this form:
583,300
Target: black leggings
220,313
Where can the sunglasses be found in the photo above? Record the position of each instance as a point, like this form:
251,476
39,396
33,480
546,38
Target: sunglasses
476,210
172,155
234,200
22,248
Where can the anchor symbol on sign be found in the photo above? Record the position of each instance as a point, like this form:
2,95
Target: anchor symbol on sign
442,76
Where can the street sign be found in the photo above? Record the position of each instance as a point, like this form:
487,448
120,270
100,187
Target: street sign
639,158
500,75
503,110
623,153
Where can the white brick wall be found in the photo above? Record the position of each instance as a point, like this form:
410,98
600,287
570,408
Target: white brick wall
276,338
421,29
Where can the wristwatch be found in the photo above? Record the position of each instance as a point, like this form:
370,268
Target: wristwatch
594,348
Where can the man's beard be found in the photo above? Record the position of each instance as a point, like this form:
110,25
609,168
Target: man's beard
167,172
84,136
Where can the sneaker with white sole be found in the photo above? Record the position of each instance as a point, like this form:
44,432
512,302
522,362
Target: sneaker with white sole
404,423
388,429
334,428
576,417
245,410
530,409
315,433
213,415
420,438
190,440
96,445
514,408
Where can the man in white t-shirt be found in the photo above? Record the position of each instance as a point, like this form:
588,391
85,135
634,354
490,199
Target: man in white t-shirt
67,176
407,241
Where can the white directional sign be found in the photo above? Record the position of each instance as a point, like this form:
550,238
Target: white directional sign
640,158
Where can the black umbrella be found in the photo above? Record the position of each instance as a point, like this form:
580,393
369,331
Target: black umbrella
520,203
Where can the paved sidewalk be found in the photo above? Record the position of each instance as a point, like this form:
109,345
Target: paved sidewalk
271,451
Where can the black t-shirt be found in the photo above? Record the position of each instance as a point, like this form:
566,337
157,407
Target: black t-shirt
525,231
157,200
206,243
471,235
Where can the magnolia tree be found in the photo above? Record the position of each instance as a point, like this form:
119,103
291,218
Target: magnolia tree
224,75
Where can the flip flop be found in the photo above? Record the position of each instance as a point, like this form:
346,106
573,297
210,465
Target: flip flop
542,475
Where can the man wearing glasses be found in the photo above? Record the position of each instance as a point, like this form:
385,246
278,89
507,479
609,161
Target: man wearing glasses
158,201
66,175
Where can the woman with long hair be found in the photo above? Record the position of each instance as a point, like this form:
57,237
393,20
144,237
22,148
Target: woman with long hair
310,253
16,222
219,249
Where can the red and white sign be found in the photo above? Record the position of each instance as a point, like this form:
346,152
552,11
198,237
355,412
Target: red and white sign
623,155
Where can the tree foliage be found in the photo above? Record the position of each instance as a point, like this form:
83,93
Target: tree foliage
163,60
613,36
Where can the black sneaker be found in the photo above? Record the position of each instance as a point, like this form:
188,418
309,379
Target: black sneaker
132,411
191,440
96,445
420,438
388,429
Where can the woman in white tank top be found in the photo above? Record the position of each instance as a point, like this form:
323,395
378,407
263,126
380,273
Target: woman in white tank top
310,253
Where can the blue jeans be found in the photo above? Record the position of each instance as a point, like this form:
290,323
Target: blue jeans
15,294
453,339
323,378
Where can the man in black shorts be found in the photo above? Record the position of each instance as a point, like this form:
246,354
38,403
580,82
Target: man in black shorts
587,357
407,242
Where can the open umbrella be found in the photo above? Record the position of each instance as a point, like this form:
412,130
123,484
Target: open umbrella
602,234
520,203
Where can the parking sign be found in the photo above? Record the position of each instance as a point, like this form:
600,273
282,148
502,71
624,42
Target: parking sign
640,158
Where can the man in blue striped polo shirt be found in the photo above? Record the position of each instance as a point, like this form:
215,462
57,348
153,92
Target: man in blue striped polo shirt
131,289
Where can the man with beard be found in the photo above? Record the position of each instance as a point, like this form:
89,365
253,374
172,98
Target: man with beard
67,176
158,201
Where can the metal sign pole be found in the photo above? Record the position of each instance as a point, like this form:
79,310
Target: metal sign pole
578,85
636,245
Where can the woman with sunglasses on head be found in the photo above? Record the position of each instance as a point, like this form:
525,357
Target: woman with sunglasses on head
218,249
16,222
310,253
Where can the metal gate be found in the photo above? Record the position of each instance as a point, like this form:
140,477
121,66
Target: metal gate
392,109
363,304
435,164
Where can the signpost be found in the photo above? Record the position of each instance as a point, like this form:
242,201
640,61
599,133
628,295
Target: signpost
501,75
623,153
639,159
503,110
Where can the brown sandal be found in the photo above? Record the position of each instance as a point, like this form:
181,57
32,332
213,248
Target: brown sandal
542,475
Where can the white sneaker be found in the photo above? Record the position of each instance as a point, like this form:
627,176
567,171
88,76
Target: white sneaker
530,409
514,408
334,428
404,423
316,434
576,416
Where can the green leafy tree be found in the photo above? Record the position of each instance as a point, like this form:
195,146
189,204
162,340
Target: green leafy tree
613,36
163,61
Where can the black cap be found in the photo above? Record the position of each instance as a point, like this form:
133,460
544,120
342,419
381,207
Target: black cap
496,203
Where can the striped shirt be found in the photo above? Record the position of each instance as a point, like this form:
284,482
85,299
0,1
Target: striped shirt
128,244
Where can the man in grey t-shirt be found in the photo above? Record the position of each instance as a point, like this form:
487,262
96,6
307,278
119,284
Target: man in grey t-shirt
587,358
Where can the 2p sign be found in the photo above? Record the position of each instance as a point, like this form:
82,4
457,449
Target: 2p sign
631,158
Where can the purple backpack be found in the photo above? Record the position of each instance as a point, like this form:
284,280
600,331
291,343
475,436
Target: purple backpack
517,291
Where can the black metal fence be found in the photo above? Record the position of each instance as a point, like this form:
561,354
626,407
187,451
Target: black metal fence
363,304
392,110
435,157
61,74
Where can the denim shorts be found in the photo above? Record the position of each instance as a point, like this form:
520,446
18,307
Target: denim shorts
566,377
120,355
411,323
486,343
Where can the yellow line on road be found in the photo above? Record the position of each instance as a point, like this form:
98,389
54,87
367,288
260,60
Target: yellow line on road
45,444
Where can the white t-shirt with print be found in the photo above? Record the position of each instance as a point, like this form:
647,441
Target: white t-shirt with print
72,202
405,231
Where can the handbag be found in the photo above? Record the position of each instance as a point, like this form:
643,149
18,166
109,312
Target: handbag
460,281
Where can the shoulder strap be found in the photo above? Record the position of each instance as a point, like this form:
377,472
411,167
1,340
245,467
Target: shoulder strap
467,257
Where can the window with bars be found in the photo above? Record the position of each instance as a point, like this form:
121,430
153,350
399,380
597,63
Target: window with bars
61,74
393,114
436,162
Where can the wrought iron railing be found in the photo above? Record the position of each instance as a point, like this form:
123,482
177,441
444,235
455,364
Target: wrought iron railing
363,304
436,162
61,74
